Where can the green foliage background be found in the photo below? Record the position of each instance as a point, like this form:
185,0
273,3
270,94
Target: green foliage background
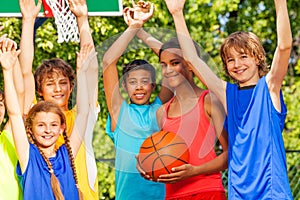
209,21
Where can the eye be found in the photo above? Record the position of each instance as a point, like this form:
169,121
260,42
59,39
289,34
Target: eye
55,124
132,82
230,60
175,63
145,82
244,56
64,83
49,84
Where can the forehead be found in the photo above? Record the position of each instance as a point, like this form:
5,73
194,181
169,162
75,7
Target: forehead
46,117
139,74
234,51
56,75
170,54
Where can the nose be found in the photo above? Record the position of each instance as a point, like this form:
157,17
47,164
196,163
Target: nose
167,69
237,63
48,129
57,87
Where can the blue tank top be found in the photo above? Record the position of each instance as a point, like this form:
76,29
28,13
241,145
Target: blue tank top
36,178
135,124
256,156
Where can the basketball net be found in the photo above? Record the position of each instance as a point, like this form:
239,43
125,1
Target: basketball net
65,21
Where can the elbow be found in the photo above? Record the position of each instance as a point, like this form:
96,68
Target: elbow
285,45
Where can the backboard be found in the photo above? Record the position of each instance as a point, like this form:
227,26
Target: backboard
11,8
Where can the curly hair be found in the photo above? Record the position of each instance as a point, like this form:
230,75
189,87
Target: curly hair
52,67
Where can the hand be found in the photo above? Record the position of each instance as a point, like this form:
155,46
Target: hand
78,8
28,8
139,14
178,174
84,57
175,6
141,171
8,54
7,43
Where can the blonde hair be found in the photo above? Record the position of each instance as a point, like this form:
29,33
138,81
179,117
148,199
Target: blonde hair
245,42
46,106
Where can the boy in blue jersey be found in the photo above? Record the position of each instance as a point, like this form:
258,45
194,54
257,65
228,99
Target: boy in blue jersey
255,108
130,124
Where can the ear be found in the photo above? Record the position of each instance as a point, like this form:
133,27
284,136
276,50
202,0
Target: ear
124,86
153,86
62,128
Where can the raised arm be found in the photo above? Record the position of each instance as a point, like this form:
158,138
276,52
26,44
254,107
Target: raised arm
8,58
111,58
29,12
80,10
282,53
199,67
84,58
166,93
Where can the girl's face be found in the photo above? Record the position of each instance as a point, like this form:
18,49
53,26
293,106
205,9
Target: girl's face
2,110
174,67
242,67
57,89
46,127
139,86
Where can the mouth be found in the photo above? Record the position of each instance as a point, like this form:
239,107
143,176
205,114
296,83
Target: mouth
240,71
47,137
58,96
139,95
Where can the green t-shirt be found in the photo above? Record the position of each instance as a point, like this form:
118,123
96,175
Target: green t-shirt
9,185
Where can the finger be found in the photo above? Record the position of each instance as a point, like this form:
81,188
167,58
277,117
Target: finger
1,28
133,3
151,10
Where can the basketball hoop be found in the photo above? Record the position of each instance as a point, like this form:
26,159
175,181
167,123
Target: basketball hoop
65,20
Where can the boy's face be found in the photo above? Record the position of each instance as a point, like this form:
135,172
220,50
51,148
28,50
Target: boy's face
57,89
174,67
139,86
242,67
2,109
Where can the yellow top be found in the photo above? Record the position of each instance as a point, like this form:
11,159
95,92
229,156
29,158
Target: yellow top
80,161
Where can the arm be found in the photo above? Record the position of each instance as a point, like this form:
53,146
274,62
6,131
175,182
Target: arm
84,58
17,75
110,60
199,67
29,13
139,10
80,10
8,58
282,53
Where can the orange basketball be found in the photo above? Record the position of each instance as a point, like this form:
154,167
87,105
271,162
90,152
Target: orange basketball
162,151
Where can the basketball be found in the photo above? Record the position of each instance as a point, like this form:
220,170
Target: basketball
162,151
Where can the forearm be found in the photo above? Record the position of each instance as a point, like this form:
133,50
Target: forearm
119,46
149,40
283,25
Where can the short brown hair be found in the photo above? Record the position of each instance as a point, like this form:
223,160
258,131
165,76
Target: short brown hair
50,67
245,42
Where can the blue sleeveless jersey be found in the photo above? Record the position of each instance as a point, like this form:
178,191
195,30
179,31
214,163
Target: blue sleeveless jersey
36,178
256,156
135,124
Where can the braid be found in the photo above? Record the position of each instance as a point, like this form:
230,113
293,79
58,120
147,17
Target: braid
53,179
72,160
